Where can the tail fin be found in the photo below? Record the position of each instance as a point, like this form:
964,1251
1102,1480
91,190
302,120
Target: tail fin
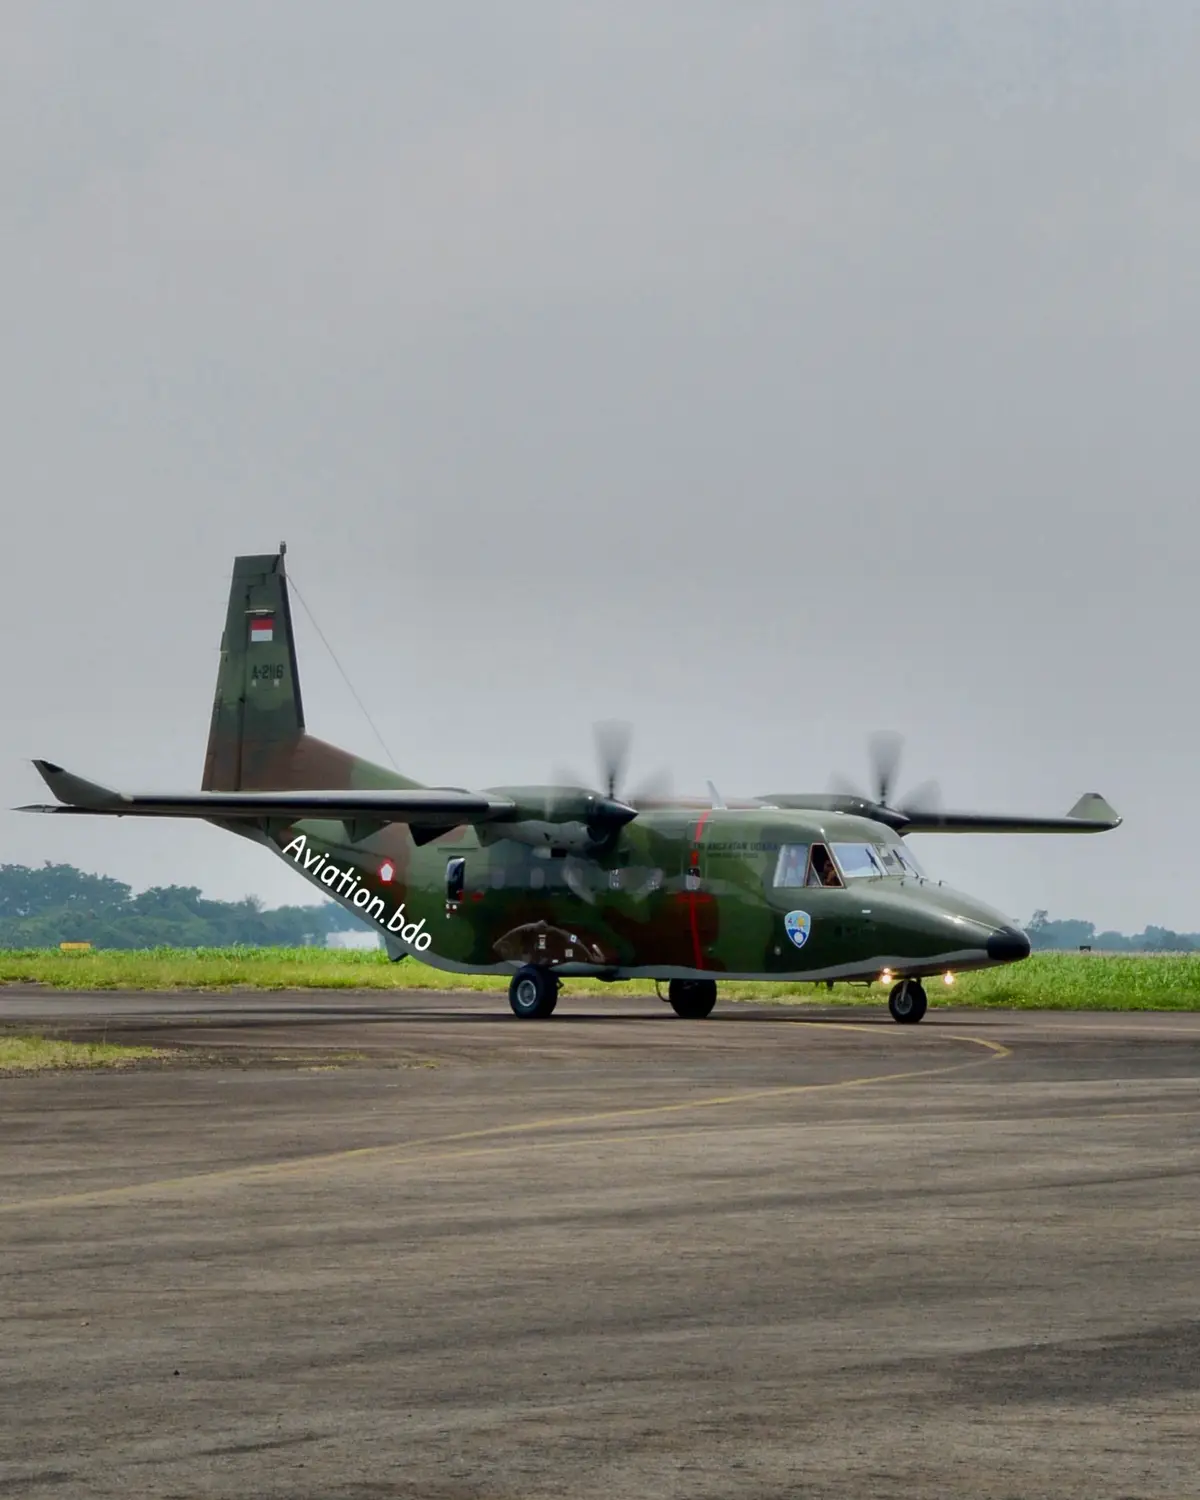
256,740
257,711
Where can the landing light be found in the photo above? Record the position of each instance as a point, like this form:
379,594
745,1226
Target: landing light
886,977
947,978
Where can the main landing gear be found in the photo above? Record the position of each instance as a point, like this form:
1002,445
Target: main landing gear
908,1002
693,999
533,993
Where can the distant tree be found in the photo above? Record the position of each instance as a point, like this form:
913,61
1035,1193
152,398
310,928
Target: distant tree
24,891
1071,933
1163,940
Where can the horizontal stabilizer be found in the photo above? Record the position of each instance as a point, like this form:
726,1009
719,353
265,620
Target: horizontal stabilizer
429,807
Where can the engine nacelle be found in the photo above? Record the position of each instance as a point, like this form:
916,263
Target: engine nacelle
571,819
571,838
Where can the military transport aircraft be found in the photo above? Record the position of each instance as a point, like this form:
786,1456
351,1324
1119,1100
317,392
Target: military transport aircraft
547,882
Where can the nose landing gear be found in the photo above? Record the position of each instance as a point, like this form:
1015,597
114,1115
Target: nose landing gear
693,999
908,1002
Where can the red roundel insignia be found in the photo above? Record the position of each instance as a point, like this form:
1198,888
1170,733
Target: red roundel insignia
387,870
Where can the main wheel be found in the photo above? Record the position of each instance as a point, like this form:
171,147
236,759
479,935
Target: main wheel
533,993
908,1002
693,999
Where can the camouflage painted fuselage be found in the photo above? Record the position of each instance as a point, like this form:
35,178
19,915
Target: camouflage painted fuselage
681,894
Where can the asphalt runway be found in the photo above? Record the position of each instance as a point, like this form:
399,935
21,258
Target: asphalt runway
406,1245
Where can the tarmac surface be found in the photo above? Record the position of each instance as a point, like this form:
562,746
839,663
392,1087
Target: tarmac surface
407,1245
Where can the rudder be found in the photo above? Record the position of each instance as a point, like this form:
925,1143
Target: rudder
258,715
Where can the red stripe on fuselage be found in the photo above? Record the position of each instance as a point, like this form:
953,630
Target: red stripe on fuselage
700,822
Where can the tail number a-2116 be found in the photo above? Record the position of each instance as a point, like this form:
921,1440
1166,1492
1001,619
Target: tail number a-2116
267,674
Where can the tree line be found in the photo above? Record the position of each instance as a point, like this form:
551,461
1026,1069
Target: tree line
40,908
1073,934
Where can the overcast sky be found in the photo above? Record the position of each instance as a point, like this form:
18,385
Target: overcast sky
763,373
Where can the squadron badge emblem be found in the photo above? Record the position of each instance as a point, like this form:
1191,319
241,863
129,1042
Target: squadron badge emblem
798,925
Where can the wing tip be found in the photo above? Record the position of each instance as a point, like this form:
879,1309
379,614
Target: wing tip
1093,808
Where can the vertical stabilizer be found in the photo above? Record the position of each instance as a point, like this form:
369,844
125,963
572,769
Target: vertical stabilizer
257,740
257,714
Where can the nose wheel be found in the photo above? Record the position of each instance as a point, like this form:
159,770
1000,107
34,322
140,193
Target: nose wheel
908,1002
693,999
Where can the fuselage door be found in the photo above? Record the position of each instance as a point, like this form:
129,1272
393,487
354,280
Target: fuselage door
456,875
693,856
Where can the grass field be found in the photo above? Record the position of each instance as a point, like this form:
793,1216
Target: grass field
1062,981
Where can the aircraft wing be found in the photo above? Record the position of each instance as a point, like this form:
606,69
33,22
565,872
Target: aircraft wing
1091,814
429,808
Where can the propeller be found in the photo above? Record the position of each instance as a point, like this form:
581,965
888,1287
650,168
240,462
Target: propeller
614,739
885,751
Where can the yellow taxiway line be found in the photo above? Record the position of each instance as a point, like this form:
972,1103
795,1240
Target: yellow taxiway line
458,1142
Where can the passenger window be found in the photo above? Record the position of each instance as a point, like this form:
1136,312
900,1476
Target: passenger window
821,869
791,865
456,874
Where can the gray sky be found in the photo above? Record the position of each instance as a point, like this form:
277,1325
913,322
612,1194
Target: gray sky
764,373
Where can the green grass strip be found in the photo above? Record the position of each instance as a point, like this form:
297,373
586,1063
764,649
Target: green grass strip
1054,981
35,1054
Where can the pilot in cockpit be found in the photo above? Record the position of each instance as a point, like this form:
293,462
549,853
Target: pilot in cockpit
823,871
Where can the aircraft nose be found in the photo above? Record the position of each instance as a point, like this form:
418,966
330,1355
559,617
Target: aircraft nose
1008,946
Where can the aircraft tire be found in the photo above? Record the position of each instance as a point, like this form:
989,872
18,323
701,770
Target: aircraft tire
693,999
908,1002
533,993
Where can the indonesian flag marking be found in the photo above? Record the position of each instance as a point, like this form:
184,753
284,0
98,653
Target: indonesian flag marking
262,629
387,871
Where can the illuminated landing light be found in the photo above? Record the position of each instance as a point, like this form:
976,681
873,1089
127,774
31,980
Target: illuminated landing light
947,977
886,977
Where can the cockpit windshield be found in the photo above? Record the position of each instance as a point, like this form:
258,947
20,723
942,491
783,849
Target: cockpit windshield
889,856
803,865
865,861
858,861
908,859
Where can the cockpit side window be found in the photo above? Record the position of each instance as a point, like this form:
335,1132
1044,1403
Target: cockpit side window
821,868
791,865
